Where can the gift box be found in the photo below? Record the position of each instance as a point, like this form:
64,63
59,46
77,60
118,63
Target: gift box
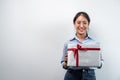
87,55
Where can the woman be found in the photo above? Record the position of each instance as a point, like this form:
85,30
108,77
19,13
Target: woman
81,23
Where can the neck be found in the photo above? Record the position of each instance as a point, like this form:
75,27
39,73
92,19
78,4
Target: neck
81,37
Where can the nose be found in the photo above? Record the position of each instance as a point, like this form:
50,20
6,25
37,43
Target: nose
81,25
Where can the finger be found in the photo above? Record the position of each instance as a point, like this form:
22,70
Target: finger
66,58
66,55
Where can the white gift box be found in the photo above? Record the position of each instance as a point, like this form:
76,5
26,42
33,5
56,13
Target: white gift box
87,55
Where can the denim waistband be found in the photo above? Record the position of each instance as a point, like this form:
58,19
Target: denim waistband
80,70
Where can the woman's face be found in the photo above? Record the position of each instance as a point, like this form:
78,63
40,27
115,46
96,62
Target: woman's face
81,25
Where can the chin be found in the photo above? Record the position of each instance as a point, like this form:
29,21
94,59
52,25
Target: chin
81,33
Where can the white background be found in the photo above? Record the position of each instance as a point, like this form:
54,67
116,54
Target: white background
32,34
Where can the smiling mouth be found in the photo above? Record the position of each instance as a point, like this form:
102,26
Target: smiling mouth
81,30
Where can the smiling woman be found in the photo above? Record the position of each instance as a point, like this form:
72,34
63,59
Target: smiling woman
81,23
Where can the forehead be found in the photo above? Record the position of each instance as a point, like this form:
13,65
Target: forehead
81,18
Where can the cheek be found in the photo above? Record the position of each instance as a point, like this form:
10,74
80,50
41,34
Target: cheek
87,26
75,26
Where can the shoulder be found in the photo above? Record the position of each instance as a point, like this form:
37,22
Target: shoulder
70,41
93,40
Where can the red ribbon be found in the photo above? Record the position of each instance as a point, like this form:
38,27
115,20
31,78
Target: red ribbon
76,55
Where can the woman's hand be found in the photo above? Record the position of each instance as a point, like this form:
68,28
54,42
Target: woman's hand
66,58
65,61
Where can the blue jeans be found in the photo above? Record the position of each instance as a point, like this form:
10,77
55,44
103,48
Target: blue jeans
83,74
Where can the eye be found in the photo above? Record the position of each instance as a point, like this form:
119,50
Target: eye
78,22
85,23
